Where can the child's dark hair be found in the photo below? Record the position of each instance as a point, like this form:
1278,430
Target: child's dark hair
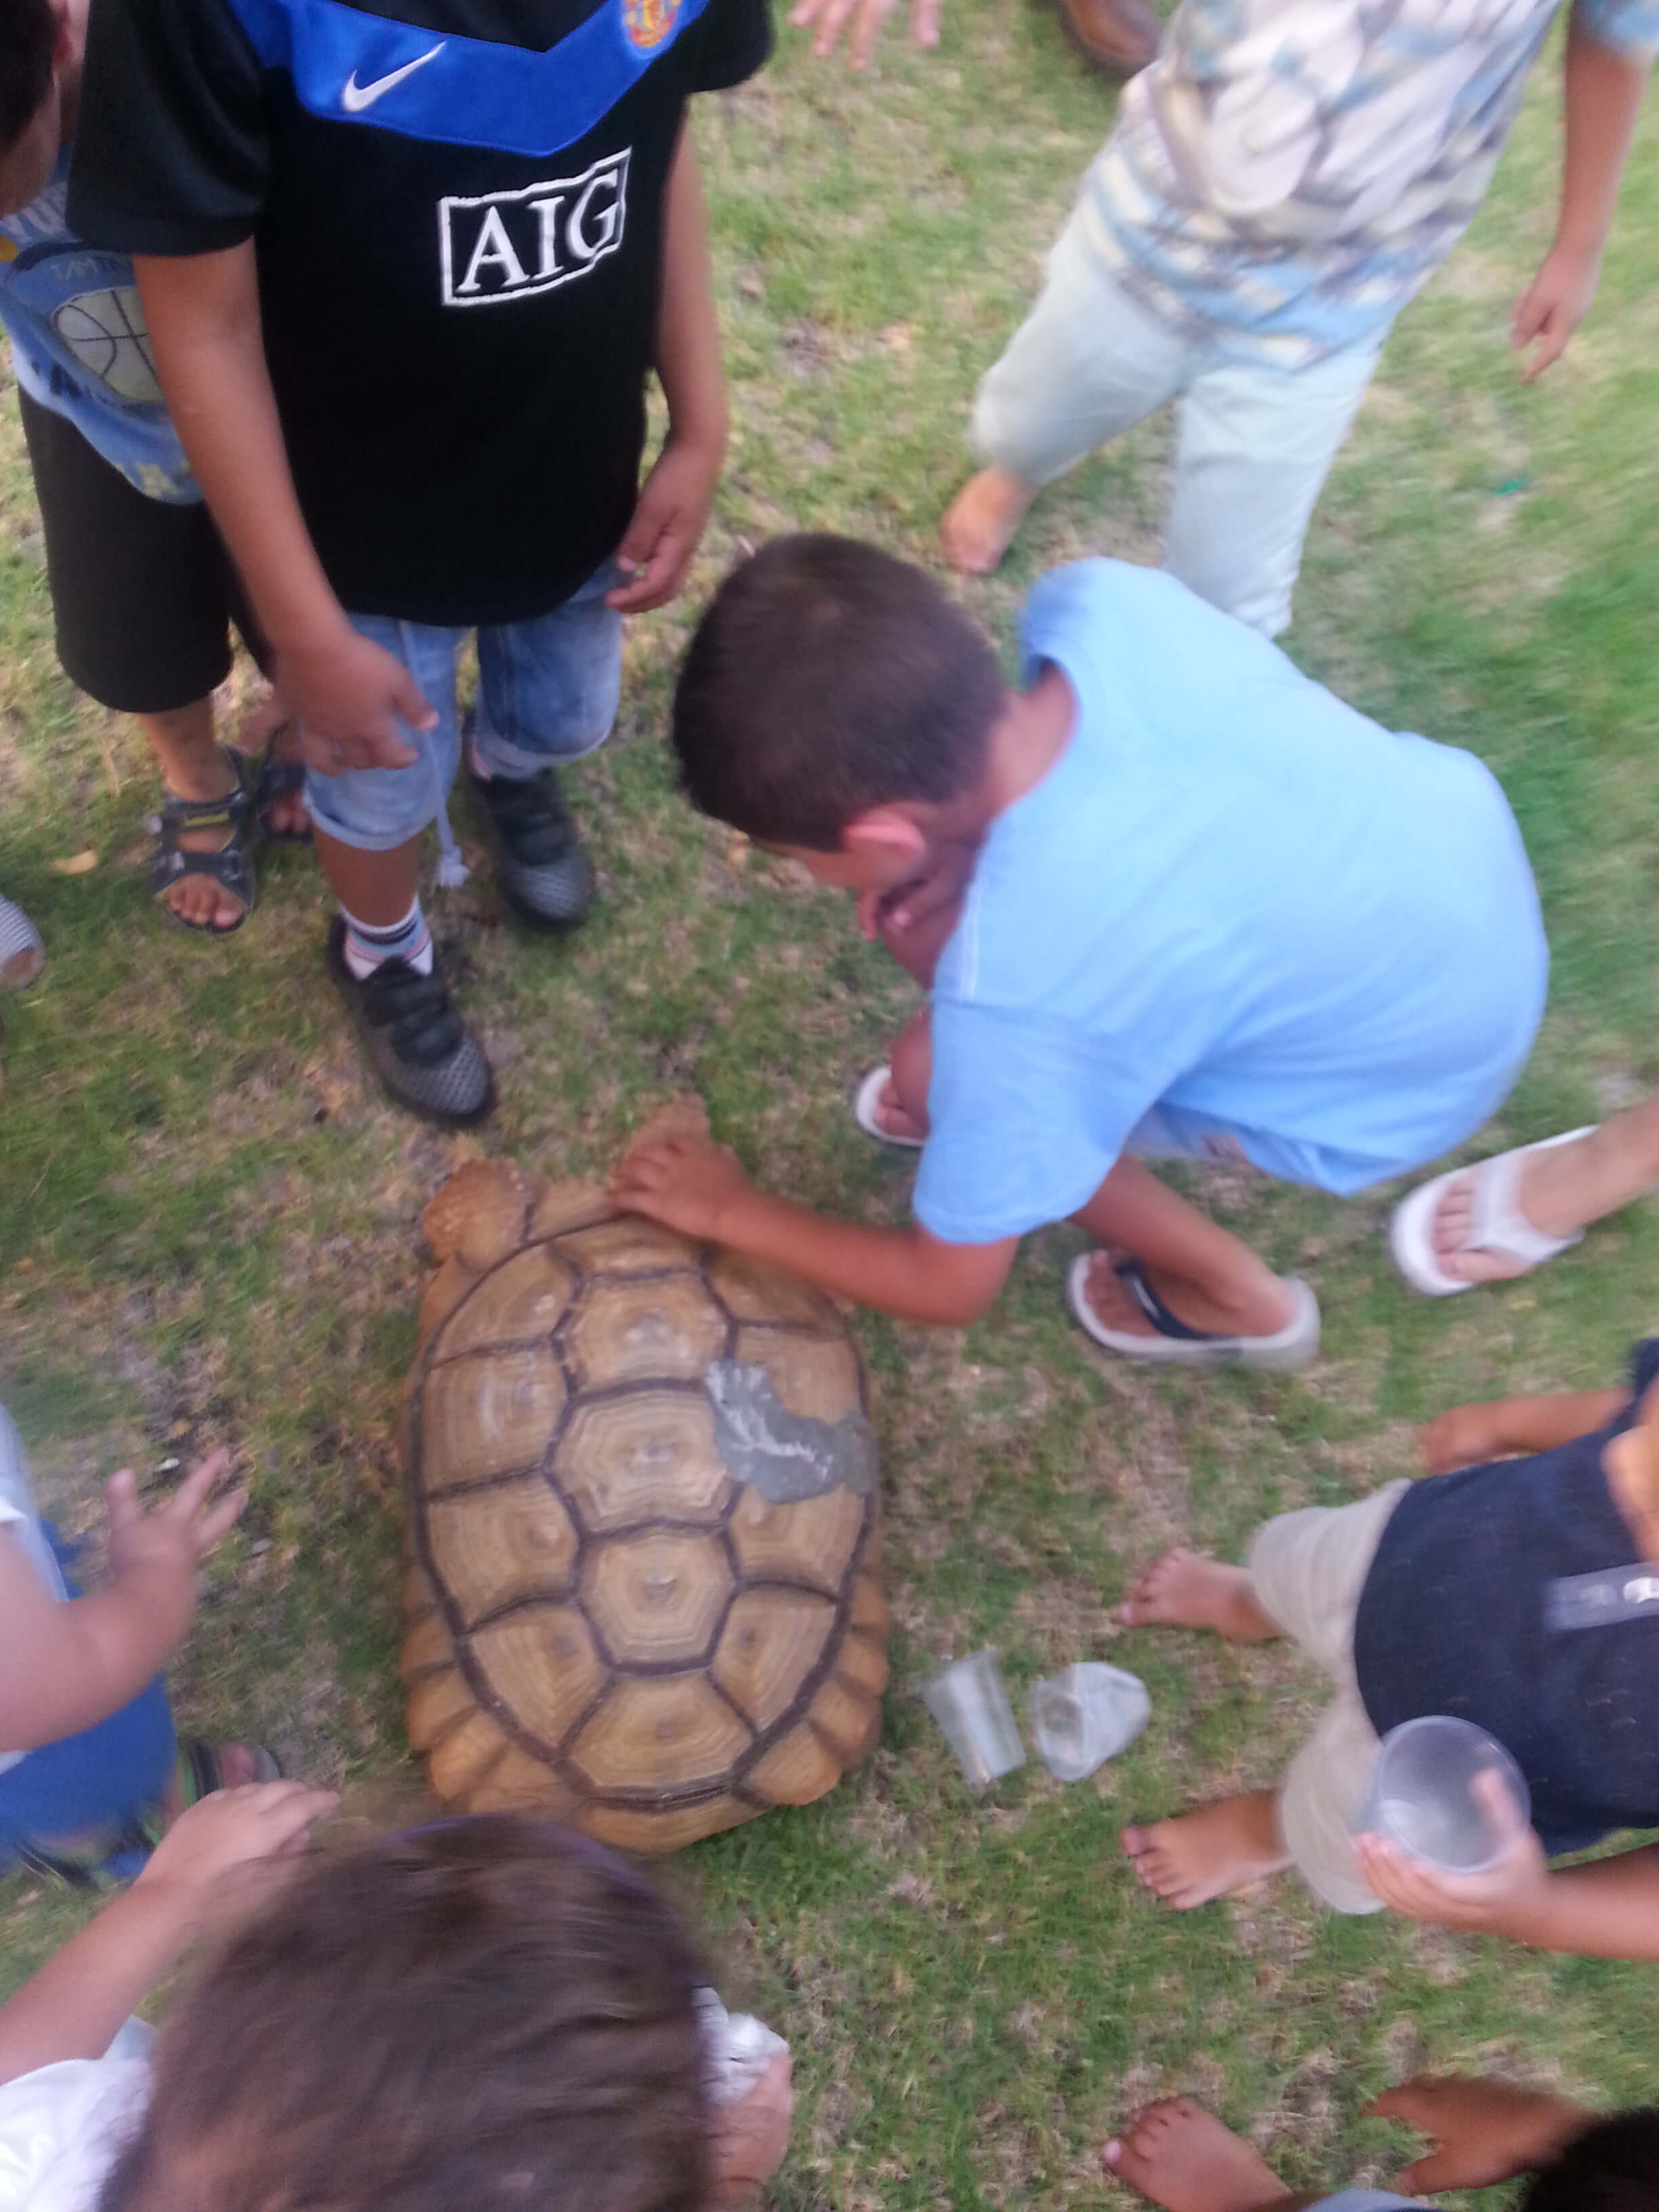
1613,2168
487,2015
28,37
827,678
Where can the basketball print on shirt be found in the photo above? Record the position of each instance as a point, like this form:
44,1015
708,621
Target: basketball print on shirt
105,331
505,246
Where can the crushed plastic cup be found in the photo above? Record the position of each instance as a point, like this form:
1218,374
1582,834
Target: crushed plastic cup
968,1700
1430,1797
1086,1715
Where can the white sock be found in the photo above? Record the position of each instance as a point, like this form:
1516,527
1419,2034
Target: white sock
409,940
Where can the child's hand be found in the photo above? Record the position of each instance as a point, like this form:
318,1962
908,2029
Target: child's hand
1553,306
828,18
674,506
684,1181
233,1829
1482,2132
349,695
1463,1436
163,1549
1491,1903
752,2135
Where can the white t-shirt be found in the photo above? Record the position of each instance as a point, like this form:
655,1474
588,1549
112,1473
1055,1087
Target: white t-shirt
20,1523
62,2127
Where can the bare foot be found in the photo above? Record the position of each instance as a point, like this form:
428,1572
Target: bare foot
1180,2156
1184,1589
979,524
1117,1308
1210,1851
892,1117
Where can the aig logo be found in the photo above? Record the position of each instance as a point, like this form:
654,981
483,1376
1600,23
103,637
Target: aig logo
508,245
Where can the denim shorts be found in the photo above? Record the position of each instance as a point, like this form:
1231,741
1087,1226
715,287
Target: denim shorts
547,691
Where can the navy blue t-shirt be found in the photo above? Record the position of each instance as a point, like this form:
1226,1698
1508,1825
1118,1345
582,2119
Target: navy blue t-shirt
1501,1595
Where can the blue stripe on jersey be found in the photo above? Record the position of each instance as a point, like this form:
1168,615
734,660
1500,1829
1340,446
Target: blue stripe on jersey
458,91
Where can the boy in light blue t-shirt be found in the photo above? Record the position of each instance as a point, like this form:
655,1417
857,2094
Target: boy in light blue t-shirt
1211,913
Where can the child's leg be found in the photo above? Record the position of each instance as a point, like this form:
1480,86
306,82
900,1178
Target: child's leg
1086,365
1205,1274
1255,449
548,691
142,620
368,823
1306,1573
89,1786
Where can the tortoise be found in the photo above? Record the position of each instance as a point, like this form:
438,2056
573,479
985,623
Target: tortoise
642,1590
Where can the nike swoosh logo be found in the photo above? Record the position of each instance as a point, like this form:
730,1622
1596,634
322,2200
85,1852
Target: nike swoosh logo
354,97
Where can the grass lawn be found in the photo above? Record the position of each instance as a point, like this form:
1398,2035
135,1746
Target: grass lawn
207,1216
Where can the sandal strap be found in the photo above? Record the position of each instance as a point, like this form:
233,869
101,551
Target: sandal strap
1496,1224
1133,1276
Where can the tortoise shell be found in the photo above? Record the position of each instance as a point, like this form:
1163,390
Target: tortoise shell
606,1621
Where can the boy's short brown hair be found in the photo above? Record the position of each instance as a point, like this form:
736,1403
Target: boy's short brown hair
826,678
486,2015
28,39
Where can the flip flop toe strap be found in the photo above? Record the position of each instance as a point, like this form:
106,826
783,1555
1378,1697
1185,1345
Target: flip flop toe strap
1133,1276
1496,1224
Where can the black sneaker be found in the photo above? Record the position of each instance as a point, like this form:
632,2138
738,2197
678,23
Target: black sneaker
543,871
417,1044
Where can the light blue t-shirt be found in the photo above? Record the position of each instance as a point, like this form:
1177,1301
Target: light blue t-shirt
1296,934
80,346
1368,2200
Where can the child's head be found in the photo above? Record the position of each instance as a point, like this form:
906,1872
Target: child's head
487,2015
829,683
1613,2168
33,35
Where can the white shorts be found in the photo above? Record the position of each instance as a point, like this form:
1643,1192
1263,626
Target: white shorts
1255,442
1308,1570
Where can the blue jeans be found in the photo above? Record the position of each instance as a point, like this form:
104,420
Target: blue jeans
97,1781
547,691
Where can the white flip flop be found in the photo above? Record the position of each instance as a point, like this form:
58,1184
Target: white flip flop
864,1102
1497,1223
1175,1344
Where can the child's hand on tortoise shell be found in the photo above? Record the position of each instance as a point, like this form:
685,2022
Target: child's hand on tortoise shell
685,1180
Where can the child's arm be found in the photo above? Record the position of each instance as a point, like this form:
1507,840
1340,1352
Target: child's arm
1603,95
74,2005
1608,1909
697,1186
674,502
68,1666
1467,1436
203,310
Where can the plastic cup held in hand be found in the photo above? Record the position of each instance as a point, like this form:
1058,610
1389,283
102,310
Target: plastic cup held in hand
1448,1793
969,1701
1086,1715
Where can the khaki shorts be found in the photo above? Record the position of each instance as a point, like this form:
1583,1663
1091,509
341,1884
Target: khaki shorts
1308,1570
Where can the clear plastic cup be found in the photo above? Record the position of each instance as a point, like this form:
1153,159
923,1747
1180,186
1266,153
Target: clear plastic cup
1449,1794
1086,1715
968,1700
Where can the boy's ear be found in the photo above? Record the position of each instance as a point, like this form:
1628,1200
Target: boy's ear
887,835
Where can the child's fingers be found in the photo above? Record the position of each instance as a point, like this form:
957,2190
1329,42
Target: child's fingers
658,580
121,1500
924,22
218,1522
872,14
198,1486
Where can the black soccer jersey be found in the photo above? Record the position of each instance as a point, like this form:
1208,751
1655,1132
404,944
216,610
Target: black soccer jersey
458,207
